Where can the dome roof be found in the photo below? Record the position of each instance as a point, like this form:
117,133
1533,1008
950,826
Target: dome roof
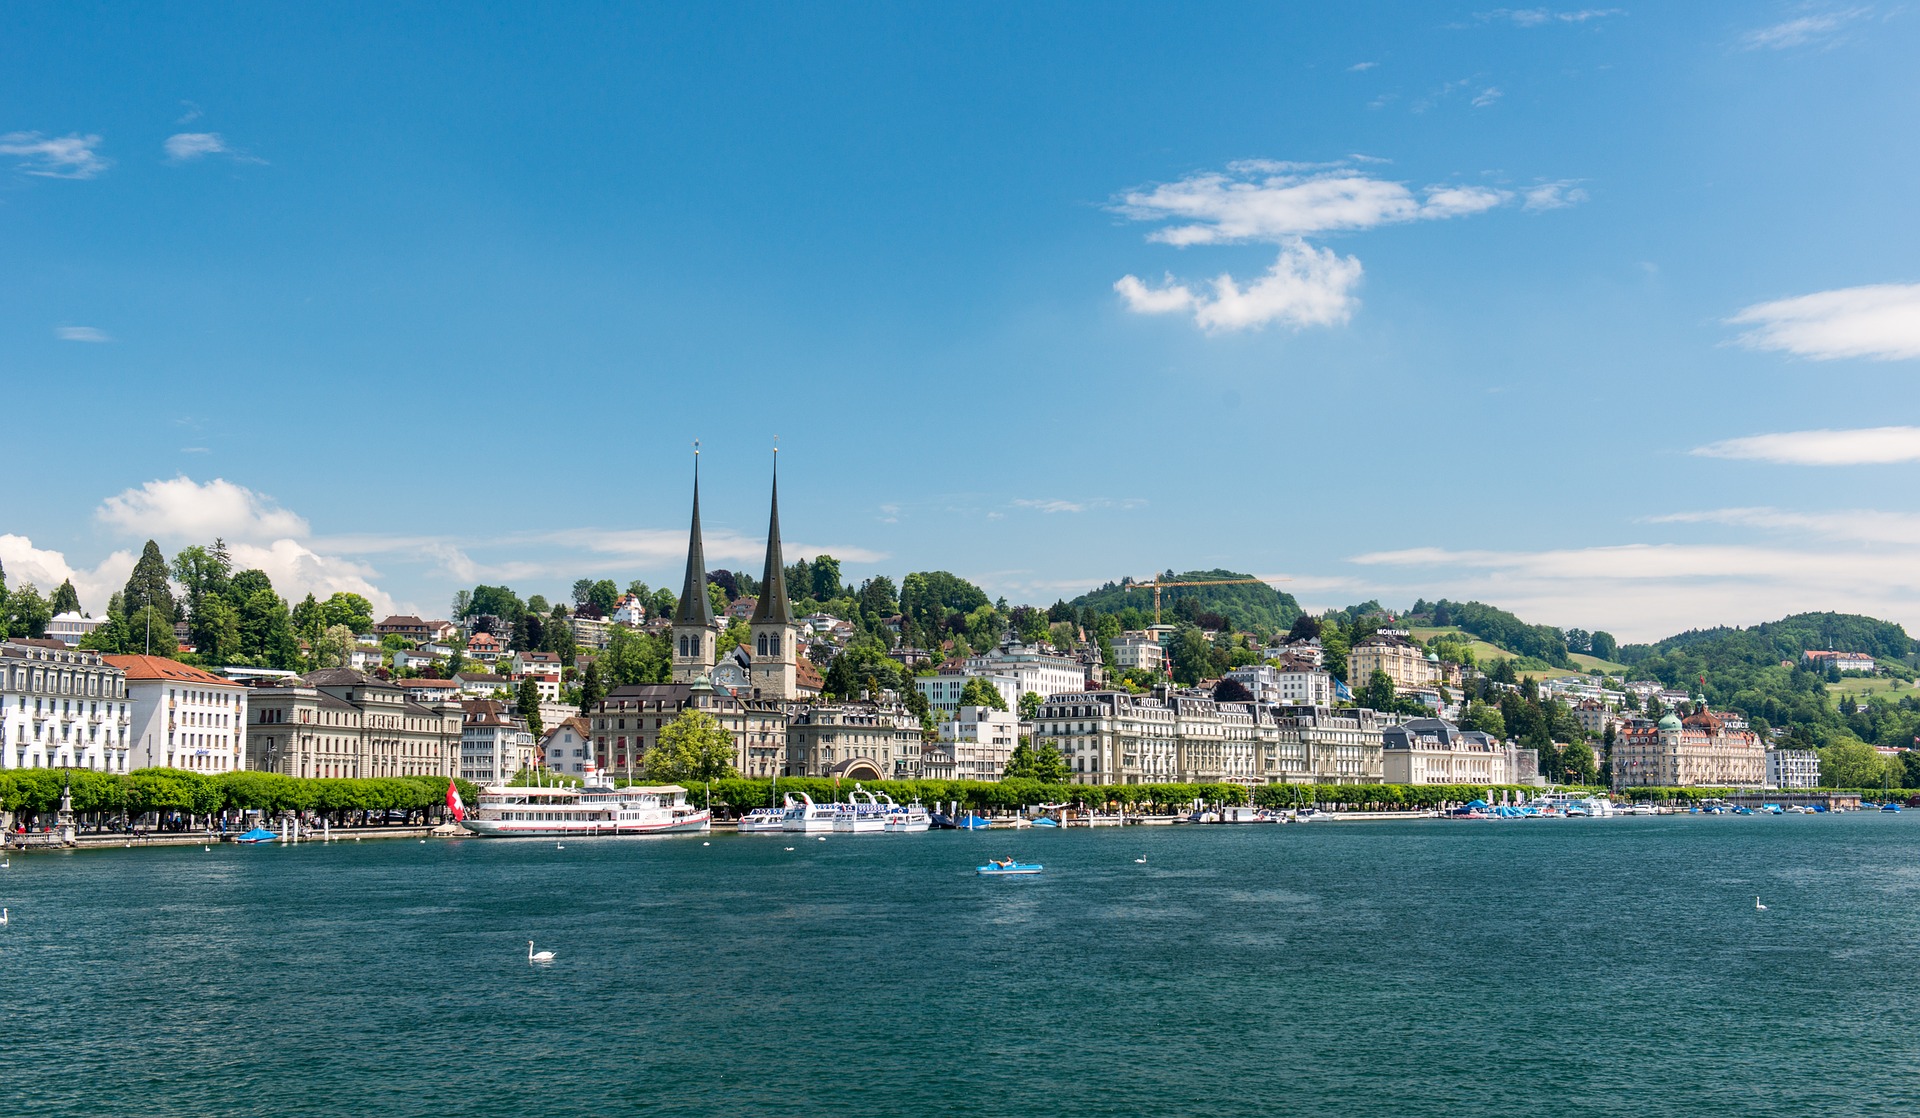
1669,722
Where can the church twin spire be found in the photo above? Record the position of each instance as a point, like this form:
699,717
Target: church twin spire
694,608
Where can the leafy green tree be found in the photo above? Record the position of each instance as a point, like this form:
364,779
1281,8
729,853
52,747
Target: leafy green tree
1192,655
334,648
151,630
1378,693
799,579
27,612
538,604
603,596
65,599
663,603
148,583
879,597
527,703
1604,646
693,748
1851,764
592,689
1030,703
929,596
495,601
633,657
215,628
350,610
202,570
979,693
826,578
1484,718
735,635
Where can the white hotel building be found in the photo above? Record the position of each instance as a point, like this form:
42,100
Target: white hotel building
61,708
183,718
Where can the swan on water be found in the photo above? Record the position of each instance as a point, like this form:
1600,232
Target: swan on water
538,956
5,918
789,848
1757,906
1141,860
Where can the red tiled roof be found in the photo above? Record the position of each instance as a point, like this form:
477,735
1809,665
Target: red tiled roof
159,667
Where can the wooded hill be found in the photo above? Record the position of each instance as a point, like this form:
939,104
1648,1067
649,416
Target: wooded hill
1249,605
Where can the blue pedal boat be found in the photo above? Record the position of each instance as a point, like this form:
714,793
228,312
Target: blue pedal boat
1007,869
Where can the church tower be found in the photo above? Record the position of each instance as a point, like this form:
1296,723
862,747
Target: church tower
775,639
695,633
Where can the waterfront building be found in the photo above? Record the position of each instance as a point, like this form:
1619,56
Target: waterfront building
1698,750
1111,737
855,741
1325,745
494,742
71,628
61,708
567,747
977,743
183,717
1391,652
628,722
1793,768
342,723
1435,751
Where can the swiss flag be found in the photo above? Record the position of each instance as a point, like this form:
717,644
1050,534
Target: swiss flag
453,802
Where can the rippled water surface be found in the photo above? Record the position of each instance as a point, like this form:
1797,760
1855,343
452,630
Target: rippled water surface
1419,968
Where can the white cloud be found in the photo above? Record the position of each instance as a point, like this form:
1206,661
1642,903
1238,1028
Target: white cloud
1487,97
1881,321
1545,17
47,569
1862,446
1305,287
297,570
1361,67
55,157
1649,591
1868,526
1815,27
184,147
1552,196
1056,504
1282,203
183,509
81,334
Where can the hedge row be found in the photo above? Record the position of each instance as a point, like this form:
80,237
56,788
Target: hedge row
36,792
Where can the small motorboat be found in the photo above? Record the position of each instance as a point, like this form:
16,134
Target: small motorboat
1890,807
971,823
257,836
1046,821
1008,868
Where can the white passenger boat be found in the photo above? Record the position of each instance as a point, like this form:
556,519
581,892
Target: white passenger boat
863,813
585,811
906,819
806,817
765,820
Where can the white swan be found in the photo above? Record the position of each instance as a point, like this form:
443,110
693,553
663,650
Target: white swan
559,846
789,848
1141,860
5,918
1757,906
538,956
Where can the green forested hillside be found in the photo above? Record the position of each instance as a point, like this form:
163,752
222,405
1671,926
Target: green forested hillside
1246,606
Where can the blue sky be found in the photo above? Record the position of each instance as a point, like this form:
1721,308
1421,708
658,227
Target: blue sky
1607,316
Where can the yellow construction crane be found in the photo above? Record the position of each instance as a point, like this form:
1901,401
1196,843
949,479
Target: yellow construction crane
1158,586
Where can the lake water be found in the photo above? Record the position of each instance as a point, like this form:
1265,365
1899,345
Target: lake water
1418,968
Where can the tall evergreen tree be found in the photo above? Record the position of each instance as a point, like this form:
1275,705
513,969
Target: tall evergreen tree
65,598
147,585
